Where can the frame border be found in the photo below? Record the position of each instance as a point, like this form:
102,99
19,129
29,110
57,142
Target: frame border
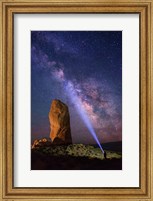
8,9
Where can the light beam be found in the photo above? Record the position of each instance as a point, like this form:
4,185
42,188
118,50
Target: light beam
78,105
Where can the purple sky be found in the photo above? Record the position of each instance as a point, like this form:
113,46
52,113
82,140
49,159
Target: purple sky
92,63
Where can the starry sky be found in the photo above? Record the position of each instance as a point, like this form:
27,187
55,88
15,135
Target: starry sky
91,61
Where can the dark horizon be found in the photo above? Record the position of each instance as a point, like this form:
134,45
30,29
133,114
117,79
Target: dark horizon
92,62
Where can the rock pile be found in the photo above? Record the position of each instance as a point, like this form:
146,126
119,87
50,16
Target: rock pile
44,142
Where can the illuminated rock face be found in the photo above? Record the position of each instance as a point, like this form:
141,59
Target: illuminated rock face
44,142
59,118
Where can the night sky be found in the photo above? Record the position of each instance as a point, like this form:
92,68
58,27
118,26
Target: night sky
91,61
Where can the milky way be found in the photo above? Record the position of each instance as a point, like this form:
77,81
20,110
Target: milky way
92,62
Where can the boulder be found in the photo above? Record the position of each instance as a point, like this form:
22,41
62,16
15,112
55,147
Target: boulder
44,142
59,118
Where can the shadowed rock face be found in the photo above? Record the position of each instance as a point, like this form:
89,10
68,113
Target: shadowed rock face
59,119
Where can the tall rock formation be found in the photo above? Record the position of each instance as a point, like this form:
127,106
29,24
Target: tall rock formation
59,119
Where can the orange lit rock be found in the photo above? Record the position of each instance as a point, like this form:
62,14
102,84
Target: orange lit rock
44,142
59,119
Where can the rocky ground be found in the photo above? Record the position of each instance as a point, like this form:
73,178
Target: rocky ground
47,156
